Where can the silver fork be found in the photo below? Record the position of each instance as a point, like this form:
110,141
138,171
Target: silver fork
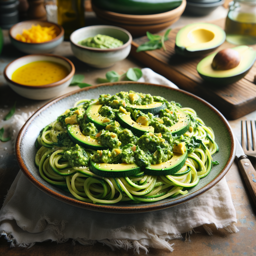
249,138
247,171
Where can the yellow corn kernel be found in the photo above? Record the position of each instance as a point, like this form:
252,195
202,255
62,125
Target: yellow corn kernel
106,120
117,151
180,148
142,120
71,120
78,112
133,97
190,129
123,110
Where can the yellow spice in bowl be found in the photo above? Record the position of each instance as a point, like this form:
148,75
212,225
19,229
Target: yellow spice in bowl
39,73
37,34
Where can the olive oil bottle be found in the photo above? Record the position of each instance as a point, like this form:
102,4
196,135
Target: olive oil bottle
241,22
70,15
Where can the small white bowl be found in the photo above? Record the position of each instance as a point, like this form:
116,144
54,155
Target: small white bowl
34,48
39,92
100,58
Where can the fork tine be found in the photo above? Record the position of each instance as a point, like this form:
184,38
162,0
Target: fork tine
243,135
249,144
253,134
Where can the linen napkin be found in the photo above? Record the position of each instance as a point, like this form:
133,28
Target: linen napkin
29,215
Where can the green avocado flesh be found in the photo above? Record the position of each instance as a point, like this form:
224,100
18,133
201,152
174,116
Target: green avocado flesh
223,77
92,114
138,129
114,170
153,108
182,125
86,141
167,168
198,38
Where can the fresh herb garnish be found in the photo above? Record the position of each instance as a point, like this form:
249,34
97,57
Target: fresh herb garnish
2,136
112,76
11,112
77,79
155,42
215,163
82,85
133,74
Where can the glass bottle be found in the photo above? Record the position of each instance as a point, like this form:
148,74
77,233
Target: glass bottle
70,15
241,22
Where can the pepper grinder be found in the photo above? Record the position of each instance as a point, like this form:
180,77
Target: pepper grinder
36,10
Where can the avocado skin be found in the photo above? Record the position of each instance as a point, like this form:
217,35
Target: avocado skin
154,111
168,171
109,174
82,143
185,53
222,81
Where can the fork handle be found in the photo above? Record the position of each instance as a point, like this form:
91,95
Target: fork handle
249,175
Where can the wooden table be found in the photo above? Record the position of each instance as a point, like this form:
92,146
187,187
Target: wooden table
200,244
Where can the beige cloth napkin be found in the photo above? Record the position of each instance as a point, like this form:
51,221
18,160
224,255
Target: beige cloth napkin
30,215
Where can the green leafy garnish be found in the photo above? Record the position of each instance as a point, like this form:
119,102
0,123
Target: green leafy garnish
155,42
134,74
11,112
77,79
2,136
82,85
215,163
112,76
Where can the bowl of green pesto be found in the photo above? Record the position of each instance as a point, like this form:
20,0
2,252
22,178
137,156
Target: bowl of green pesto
126,147
101,46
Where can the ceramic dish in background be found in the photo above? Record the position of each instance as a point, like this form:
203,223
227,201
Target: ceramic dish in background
39,92
25,145
96,57
34,48
138,25
203,8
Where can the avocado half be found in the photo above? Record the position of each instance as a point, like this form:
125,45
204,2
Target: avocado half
225,77
198,38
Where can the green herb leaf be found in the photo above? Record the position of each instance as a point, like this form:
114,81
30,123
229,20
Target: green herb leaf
215,163
77,79
152,37
102,80
82,85
155,42
11,112
149,46
134,74
166,34
2,135
112,76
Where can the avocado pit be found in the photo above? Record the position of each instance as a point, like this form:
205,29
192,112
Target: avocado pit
226,59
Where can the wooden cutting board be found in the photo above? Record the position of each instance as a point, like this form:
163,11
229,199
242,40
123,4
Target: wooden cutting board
234,101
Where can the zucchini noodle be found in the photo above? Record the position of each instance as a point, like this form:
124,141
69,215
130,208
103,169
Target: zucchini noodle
88,186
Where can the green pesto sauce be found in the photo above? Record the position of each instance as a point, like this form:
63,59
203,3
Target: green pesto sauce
122,145
76,156
101,41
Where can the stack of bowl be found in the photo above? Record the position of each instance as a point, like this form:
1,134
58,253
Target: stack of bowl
139,24
202,7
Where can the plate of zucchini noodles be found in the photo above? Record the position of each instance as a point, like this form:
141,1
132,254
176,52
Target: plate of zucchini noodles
126,147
